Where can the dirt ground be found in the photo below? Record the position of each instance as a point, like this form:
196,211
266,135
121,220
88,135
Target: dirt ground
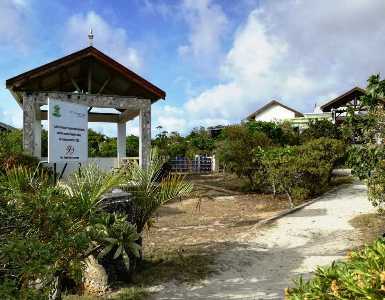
216,217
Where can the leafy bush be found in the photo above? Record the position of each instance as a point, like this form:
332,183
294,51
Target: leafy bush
170,145
280,134
367,131
239,151
362,276
11,151
320,128
47,231
199,142
100,145
302,171
364,159
11,142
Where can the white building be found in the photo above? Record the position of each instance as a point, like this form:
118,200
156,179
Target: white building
274,111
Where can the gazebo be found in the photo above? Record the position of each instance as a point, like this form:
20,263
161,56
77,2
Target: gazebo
91,78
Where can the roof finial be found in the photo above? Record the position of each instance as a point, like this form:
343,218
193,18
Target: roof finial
90,37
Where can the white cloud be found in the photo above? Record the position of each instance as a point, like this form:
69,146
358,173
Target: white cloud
170,118
207,26
12,116
112,40
13,28
297,51
157,7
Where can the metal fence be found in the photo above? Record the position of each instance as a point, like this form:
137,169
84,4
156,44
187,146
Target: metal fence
199,164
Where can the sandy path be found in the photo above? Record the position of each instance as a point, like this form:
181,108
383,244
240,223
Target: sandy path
264,261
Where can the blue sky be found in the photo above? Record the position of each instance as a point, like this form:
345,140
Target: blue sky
217,60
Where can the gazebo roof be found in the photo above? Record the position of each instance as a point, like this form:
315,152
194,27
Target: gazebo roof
88,70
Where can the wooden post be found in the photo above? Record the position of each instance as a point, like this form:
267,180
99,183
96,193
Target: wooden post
145,135
121,141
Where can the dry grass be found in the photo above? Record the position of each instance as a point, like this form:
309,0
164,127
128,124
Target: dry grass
369,226
209,220
189,235
227,181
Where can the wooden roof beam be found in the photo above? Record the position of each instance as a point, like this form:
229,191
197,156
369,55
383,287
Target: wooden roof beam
92,117
127,115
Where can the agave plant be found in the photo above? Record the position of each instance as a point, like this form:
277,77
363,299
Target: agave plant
150,190
113,232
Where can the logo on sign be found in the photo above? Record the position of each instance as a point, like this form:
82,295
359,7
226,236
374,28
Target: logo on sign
56,111
69,150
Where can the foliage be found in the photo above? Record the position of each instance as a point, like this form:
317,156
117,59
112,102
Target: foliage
150,191
280,134
100,145
115,233
239,150
364,159
170,145
302,171
367,156
320,128
11,142
376,186
199,142
47,231
132,146
362,276
11,151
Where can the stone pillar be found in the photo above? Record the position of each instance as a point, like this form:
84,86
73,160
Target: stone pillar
29,122
37,132
121,141
145,135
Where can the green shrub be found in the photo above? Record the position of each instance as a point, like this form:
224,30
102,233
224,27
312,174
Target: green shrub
363,159
15,160
47,231
11,151
280,134
11,142
302,171
362,276
320,128
240,151
376,186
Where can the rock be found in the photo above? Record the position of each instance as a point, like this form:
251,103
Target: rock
95,279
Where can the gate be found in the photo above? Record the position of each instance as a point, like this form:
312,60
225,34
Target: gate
198,165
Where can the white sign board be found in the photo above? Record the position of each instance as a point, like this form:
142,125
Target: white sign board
67,132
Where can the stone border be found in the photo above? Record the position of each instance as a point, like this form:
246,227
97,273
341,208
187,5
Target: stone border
294,209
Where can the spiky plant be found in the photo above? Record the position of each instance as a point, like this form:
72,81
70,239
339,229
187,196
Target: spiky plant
150,191
47,231
88,187
113,233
